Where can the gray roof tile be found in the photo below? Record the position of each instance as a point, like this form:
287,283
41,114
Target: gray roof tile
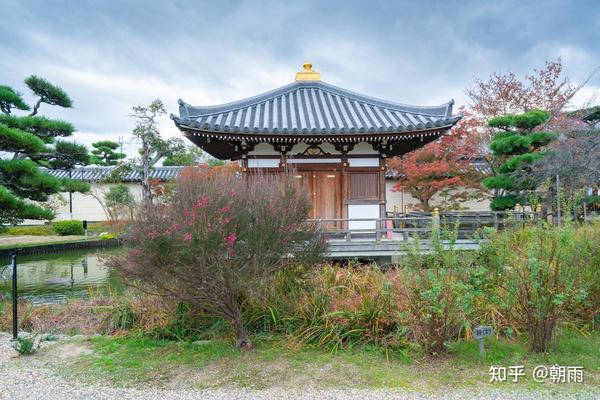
95,174
314,108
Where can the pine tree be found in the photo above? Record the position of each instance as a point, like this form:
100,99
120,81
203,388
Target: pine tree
186,156
519,145
104,153
31,142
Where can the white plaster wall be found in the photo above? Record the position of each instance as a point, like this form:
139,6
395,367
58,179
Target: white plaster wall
263,149
329,148
263,163
363,148
86,207
358,211
395,199
298,148
363,162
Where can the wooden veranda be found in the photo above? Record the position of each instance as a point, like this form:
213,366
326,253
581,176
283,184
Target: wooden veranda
385,239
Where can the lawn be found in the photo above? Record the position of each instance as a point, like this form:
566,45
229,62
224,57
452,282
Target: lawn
37,235
217,364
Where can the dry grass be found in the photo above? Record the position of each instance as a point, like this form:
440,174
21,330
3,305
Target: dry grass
98,314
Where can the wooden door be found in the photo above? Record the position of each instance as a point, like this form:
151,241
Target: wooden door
327,190
304,181
324,192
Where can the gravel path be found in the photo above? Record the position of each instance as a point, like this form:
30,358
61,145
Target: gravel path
28,378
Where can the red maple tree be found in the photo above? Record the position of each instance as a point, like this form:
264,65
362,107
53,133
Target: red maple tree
444,167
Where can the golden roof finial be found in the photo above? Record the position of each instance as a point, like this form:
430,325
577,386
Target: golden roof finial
308,74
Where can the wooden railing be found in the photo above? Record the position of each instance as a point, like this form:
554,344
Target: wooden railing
419,225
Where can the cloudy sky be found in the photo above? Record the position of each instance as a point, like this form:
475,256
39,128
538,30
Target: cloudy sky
111,55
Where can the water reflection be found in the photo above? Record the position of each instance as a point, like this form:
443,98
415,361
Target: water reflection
59,276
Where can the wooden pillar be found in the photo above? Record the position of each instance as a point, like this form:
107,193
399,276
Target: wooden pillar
282,164
382,200
244,165
344,177
313,188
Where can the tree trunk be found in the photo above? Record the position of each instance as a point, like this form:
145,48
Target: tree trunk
242,340
146,192
36,107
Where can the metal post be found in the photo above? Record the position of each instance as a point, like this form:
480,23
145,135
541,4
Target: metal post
481,351
402,191
15,297
70,200
435,216
558,216
435,223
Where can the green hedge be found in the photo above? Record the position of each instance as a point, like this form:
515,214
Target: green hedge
37,230
64,228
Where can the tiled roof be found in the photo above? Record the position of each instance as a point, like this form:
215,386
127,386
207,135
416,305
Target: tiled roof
314,108
95,174
593,114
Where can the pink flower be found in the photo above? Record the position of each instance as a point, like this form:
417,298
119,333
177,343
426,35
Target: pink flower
225,209
233,193
175,227
187,236
202,203
231,239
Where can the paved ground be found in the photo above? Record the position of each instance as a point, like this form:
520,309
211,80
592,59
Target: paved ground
30,378
6,240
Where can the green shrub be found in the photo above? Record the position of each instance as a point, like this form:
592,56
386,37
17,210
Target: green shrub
587,247
64,228
25,345
107,236
544,278
37,230
436,291
122,317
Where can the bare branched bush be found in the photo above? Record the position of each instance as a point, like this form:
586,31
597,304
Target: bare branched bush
218,240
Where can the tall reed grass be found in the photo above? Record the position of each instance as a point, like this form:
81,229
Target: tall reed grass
522,282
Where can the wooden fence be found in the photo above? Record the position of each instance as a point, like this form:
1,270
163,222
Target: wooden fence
420,225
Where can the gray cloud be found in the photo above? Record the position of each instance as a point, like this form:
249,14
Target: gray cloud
111,55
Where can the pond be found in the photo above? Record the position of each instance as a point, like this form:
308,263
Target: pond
56,277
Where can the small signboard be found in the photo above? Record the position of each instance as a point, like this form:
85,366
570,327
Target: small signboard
479,332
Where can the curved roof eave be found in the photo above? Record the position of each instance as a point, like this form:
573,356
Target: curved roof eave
314,107
195,111
307,134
